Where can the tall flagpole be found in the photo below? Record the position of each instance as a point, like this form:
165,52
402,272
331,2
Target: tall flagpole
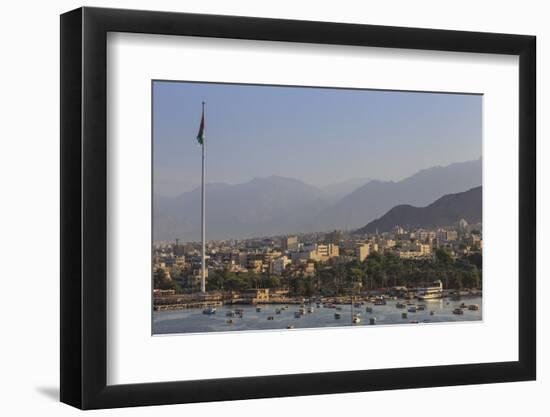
203,215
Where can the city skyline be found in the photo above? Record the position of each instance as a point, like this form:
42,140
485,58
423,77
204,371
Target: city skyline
291,132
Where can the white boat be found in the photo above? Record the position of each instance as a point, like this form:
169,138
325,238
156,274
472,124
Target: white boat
432,292
355,320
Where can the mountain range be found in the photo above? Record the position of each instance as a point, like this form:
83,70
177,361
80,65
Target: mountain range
278,205
445,211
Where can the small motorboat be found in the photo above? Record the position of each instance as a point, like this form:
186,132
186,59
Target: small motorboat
258,309
355,320
270,318
337,316
209,310
473,307
290,326
412,309
372,320
297,314
368,309
458,311
404,315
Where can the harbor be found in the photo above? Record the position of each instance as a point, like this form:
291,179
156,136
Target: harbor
316,313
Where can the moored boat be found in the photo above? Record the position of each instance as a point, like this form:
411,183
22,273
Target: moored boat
209,310
431,292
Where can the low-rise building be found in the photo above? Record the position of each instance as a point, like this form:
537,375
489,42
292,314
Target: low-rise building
278,265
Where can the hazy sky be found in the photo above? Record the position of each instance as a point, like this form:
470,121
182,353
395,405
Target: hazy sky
320,136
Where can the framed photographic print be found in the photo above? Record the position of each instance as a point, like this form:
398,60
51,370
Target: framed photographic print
258,207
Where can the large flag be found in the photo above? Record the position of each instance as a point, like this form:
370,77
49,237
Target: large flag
200,135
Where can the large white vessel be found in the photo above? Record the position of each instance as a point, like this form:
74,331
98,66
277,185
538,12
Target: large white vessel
431,292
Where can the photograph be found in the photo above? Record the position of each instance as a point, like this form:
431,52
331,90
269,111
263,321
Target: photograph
288,207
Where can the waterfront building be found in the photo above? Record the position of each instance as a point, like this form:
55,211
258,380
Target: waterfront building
304,255
255,265
325,252
424,235
194,279
278,265
362,250
309,269
447,235
414,250
290,243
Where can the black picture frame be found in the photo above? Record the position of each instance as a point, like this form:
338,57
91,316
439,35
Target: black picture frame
84,207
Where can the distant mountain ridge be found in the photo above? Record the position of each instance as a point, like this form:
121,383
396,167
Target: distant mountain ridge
375,198
445,211
339,189
278,205
260,207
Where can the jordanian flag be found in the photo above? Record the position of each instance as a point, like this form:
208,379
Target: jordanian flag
200,135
